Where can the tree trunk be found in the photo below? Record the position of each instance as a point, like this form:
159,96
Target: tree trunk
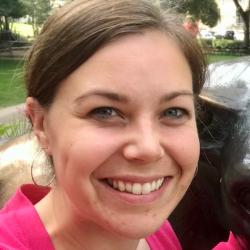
1,24
245,17
246,32
6,23
35,26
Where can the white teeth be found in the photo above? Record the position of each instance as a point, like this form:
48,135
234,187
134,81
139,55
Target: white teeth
158,183
146,188
136,188
121,186
153,186
129,187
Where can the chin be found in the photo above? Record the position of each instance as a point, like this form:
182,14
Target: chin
137,229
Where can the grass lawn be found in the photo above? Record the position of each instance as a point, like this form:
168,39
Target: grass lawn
23,29
217,58
12,91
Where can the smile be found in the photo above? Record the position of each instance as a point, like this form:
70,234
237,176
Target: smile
136,188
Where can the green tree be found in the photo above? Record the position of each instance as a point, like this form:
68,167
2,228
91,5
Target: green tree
38,11
10,8
206,10
245,14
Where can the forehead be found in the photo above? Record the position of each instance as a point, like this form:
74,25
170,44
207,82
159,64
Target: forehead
140,47
138,60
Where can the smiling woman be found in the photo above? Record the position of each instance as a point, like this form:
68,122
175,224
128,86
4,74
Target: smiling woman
111,97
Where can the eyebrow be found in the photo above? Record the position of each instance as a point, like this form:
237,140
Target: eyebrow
102,93
122,98
176,94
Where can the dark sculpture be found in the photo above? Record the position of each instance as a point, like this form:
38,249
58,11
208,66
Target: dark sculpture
219,197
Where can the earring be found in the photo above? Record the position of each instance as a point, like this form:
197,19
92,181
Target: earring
44,162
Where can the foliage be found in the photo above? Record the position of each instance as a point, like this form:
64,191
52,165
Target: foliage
222,43
10,8
207,10
228,44
4,129
38,11
15,128
225,47
206,43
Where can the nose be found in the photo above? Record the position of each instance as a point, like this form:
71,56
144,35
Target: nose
144,145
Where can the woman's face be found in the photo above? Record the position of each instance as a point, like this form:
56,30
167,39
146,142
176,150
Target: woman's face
122,135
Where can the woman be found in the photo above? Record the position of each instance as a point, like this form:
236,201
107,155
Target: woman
111,97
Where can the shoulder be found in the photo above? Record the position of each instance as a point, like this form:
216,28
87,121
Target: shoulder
20,225
164,238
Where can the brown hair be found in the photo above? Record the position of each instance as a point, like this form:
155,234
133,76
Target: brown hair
76,31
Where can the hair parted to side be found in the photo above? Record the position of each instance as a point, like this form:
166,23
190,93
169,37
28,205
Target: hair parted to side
77,30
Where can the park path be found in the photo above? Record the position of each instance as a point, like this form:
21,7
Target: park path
10,114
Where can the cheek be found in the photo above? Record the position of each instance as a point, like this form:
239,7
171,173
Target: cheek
185,148
83,152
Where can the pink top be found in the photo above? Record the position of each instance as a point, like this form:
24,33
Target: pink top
20,225
163,239
22,229
233,243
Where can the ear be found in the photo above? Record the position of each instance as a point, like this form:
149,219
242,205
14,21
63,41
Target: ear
37,114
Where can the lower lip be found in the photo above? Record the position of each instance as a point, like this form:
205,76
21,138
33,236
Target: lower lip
136,199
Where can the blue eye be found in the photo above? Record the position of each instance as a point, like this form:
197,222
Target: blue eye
174,113
103,113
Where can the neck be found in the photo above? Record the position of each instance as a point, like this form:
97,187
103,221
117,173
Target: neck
67,232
